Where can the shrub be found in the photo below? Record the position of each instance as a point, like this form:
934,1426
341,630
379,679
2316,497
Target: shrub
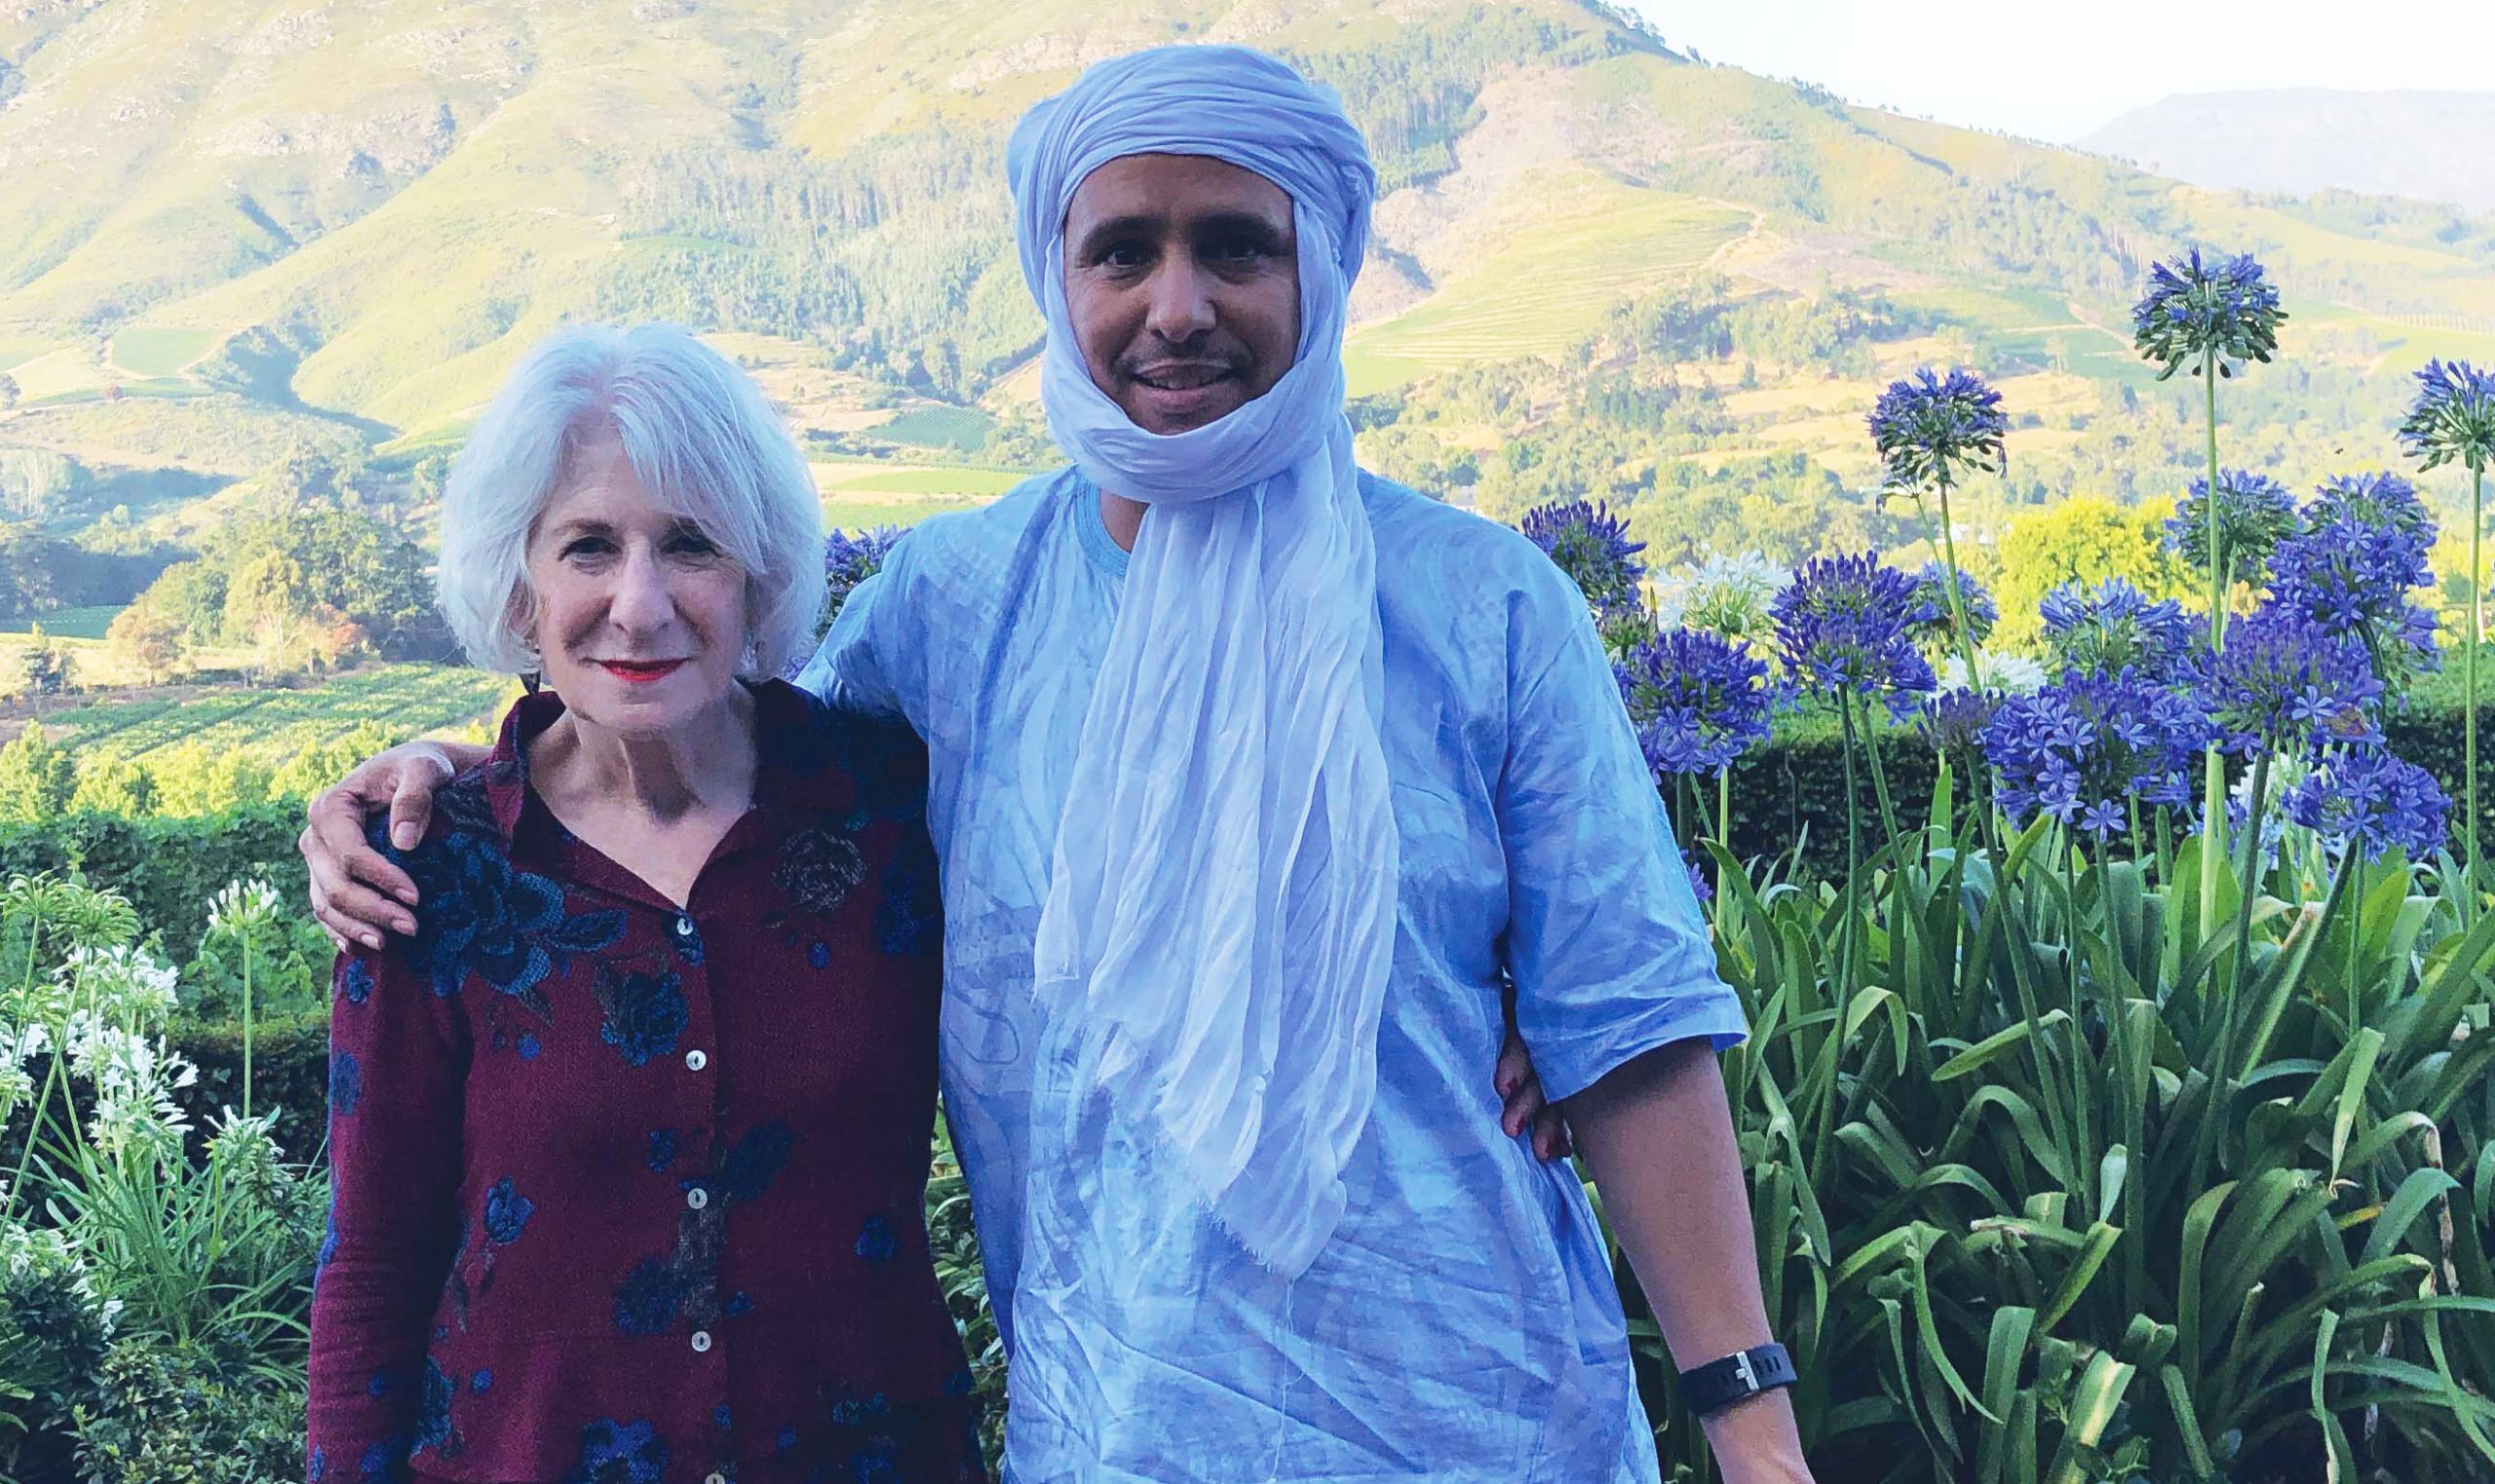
185,1415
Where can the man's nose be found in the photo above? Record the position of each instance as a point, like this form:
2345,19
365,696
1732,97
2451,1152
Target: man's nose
1181,308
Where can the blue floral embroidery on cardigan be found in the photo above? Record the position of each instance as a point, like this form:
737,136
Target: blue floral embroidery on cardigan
507,1212
346,1083
620,1452
481,914
645,1012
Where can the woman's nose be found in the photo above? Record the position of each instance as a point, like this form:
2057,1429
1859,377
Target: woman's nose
640,601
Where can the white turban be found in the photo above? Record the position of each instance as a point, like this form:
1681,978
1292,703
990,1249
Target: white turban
1221,907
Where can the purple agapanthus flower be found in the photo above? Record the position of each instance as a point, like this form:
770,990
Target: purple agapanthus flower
1931,430
2082,749
2453,419
2364,797
2114,626
1954,721
2361,552
1935,624
2254,514
2284,681
1698,885
1842,623
2221,309
1591,546
847,560
1699,700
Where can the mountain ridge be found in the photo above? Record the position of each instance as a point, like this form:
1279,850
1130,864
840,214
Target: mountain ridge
242,225
2425,144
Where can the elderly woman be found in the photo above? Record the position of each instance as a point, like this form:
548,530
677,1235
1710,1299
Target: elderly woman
630,1135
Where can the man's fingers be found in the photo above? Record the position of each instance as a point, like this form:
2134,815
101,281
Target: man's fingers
412,803
359,912
334,848
1522,1104
410,809
1514,1067
1551,1139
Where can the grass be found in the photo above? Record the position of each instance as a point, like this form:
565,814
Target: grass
67,622
844,515
160,352
917,479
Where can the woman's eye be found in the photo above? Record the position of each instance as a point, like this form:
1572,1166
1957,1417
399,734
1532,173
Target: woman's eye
588,546
692,543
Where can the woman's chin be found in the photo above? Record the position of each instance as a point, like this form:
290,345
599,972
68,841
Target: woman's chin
644,708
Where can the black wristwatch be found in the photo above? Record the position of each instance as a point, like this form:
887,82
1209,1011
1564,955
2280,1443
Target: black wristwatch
1720,1383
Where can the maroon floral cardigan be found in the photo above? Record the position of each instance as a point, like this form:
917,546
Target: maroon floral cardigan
628,1194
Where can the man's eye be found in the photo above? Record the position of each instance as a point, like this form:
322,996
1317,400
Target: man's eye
1123,255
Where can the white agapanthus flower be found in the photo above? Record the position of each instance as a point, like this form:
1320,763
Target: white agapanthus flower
1729,595
2009,675
20,1045
127,988
30,1252
134,1079
242,907
16,1086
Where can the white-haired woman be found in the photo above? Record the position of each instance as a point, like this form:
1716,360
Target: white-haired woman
630,1130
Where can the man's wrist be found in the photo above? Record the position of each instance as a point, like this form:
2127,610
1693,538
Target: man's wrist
1754,1441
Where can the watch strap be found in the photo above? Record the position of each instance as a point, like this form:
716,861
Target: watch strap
1719,1384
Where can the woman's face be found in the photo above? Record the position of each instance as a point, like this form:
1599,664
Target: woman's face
640,619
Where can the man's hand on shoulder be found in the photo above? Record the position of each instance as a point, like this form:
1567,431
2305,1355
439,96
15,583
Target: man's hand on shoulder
357,894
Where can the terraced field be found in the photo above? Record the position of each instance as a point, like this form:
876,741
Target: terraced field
1540,293
274,725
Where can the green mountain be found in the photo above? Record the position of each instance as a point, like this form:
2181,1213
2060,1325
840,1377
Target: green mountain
234,228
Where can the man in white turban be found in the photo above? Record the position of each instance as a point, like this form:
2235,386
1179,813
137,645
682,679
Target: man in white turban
1259,783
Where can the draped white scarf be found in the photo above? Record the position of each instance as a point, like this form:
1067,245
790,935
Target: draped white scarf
1220,915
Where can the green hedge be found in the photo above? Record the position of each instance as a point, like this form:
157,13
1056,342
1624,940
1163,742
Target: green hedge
169,868
289,1074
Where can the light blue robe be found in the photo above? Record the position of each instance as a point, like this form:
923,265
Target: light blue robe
1462,1324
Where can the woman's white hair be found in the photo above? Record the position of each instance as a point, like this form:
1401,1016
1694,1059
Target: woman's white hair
703,441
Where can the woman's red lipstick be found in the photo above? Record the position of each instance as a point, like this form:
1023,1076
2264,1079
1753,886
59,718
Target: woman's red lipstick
641,671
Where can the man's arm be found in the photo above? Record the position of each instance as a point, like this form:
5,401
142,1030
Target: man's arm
1618,1000
1657,1136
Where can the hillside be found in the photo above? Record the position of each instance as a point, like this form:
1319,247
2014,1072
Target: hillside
236,229
2433,146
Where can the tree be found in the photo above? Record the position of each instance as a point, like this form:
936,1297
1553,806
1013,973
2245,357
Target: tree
113,785
43,665
36,779
2086,539
7,393
267,608
146,636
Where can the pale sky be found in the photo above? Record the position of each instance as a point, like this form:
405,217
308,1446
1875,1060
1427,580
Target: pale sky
2057,70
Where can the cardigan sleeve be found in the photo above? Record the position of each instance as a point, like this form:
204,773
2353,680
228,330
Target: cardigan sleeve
397,1062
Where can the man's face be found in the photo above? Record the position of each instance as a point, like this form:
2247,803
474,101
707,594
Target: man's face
1182,280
